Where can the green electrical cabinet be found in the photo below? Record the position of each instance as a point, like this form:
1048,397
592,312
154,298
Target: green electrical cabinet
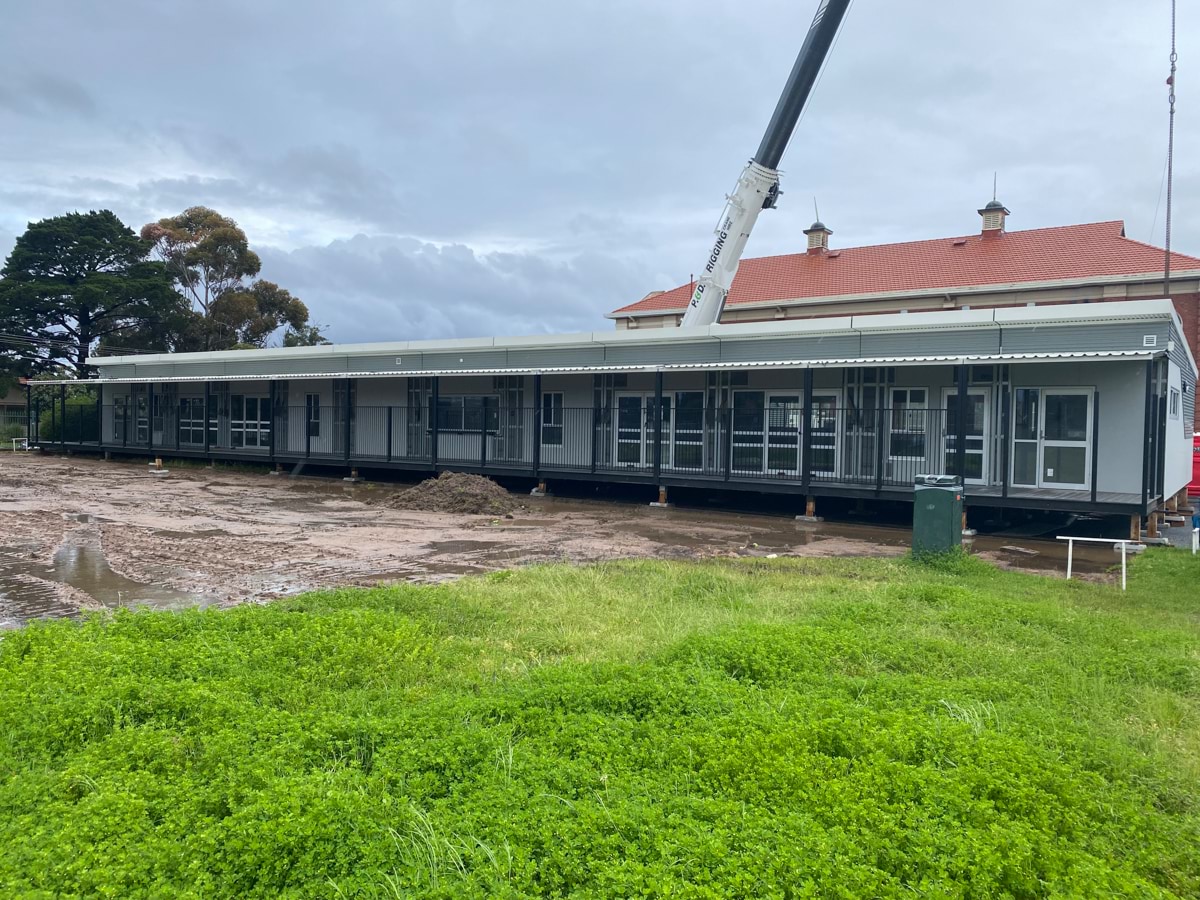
937,514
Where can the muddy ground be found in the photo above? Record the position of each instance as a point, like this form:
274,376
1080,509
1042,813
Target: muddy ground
80,532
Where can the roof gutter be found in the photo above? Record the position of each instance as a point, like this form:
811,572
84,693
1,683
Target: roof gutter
839,362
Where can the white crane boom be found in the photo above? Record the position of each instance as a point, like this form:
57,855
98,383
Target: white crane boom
758,187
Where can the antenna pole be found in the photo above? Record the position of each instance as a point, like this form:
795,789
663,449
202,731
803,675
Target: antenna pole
1170,158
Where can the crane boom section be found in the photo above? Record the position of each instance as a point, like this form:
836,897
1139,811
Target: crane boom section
758,186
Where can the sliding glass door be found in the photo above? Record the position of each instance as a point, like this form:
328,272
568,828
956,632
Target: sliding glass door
1052,437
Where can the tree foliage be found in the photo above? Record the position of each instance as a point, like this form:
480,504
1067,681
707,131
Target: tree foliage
72,281
209,257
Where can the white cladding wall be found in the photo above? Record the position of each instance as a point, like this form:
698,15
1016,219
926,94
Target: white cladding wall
1122,387
1178,461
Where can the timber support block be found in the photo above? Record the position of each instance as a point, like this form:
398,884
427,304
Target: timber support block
810,511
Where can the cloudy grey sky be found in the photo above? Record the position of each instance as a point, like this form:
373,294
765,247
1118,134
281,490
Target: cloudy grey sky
453,169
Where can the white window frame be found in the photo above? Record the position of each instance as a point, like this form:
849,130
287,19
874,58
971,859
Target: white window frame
909,406
312,415
460,400
552,417
1173,405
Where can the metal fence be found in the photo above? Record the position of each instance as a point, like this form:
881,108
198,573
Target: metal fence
754,441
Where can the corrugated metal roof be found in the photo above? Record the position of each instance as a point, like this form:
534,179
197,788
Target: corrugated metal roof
668,367
1120,310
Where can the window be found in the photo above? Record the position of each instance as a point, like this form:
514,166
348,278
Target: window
249,421
312,414
908,423
552,419
472,414
191,420
118,420
1173,404
689,430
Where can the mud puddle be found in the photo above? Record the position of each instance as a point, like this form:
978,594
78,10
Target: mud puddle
76,579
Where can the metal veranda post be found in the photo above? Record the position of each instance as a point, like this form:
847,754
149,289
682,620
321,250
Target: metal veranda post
347,412
207,415
595,434
28,414
658,422
1147,414
388,455
960,431
483,434
1095,440
879,439
272,400
434,397
62,432
728,467
150,416
806,432
308,428
537,424
1005,438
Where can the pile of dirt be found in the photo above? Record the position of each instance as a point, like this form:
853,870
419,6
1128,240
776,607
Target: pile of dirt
456,492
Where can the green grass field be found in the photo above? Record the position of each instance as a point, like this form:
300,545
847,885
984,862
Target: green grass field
834,728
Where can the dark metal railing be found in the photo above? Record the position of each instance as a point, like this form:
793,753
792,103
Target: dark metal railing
748,443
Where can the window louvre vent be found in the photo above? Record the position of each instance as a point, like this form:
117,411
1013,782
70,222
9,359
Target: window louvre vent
1150,340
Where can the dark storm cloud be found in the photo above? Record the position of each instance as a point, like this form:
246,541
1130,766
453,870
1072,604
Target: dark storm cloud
431,169
46,94
368,288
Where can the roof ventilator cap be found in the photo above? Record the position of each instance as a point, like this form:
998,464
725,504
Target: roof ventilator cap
818,237
993,218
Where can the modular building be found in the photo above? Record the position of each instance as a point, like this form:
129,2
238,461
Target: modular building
1083,407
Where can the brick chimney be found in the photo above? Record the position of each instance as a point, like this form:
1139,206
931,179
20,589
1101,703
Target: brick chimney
818,237
993,218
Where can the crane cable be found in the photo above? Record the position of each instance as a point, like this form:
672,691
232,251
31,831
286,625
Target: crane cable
1170,157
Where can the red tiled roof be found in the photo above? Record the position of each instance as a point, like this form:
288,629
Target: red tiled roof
1069,252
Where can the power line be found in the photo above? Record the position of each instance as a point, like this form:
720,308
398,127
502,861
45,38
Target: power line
63,344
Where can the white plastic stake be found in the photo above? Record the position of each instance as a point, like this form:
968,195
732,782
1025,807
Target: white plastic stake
1195,541
1070,556
1123,546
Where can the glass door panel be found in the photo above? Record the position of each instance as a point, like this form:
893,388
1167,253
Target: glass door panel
823,429
141,418
631,430
1066,438
976,434
748,449
1027,403
687,436
783,434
